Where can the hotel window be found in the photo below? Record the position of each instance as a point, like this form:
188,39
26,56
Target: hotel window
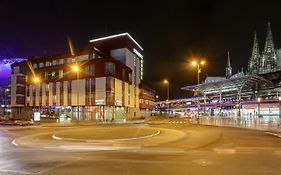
123,74
46,75
61,61
20,100
109,68
16,70
27,90
61,93
41,65
35,66
54,88
110,83
54,62
69,89
93,89
61,73
69,60
90,69
130,77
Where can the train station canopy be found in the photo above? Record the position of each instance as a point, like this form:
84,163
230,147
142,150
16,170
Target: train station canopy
248,83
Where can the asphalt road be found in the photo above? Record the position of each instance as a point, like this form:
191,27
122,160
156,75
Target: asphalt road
162,146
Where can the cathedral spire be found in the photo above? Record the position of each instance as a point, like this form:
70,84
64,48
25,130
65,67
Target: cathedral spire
253,67
228,69
269,46
228,60
268,59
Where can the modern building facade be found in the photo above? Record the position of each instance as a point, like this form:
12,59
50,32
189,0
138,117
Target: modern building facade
100,83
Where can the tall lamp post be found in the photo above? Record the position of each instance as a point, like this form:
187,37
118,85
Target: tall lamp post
75,68
168,89
198,68
36,81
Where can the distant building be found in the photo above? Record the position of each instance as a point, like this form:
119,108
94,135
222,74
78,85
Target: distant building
106,87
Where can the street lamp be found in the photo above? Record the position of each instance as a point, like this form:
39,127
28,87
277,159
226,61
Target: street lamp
168,88
75,68
36,79
157,97
198,65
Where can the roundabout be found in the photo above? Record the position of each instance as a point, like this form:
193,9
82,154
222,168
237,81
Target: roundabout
98,138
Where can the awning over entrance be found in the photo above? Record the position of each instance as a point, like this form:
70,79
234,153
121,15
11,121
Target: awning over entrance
249,83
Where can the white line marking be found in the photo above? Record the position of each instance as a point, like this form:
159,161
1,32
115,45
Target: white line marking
111,140
14,171
56,138
14,142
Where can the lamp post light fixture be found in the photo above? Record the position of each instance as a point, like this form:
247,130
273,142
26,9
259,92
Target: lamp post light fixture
199,69
157,97
75,68
36,79
168,89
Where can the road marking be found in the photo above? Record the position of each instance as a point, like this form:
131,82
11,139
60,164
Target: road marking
14,171
55,137
225,151
273,134
109,140
14,142
58,166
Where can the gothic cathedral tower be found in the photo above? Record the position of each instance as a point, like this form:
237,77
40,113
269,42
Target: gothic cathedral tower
253,66
268,61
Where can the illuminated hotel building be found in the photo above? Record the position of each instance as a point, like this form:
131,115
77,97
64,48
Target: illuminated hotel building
106,86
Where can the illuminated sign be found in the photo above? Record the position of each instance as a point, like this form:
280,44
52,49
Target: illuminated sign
53,74
36,116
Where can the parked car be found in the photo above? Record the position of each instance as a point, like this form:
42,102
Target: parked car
23,122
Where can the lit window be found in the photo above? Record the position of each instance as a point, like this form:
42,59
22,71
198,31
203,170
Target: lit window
41,65
35,66
46,75
109,68
61,73
54,62
61,61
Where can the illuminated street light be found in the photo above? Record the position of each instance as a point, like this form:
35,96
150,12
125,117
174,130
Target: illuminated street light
36,80
197,64
168,88
157,97
75,68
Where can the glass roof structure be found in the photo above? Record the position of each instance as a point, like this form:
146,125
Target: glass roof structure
249,83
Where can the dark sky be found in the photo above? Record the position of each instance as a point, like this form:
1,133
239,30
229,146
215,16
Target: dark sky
171,32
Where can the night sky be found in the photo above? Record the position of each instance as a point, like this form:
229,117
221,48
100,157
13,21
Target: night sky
171,32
